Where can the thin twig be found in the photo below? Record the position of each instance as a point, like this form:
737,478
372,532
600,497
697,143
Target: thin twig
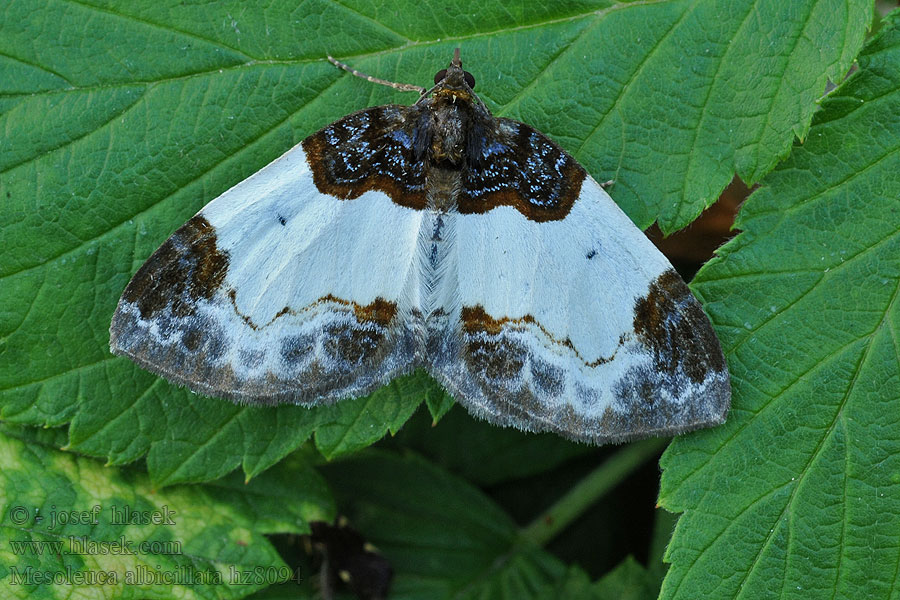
587,491
403,87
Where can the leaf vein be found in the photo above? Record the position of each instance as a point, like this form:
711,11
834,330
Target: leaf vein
371,20
168,28
853,174
72,371
781,81
827,274
531,84
696,130
125,221
639,68
219,430
37,66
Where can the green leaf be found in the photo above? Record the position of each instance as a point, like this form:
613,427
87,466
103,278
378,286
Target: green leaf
795,496
628,581
52,437
670,99
189,438
68,520
444,538
353,424
484,454
283,499
122,118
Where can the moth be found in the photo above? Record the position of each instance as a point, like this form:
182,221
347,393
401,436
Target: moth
432,236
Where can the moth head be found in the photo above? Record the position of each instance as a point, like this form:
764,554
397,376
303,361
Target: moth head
454,76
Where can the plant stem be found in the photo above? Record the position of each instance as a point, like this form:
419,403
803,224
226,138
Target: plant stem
589,490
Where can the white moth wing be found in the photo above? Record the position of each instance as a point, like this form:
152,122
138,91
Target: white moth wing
277,292
297,245
579,326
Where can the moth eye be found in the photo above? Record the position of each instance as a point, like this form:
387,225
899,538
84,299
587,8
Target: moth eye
439,75
470,81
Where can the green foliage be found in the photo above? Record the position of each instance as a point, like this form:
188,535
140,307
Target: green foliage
120,119
794,497
114,531
444,537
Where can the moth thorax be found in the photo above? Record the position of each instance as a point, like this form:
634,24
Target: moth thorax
448,139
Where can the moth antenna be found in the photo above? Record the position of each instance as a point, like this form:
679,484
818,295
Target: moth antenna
403,87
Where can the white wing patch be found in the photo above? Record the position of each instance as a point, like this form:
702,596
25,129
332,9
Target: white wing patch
552,331
275,292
